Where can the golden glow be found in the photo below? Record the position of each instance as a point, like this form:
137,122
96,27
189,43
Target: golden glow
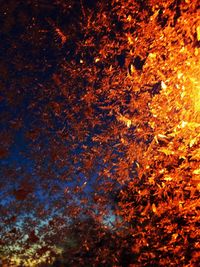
191,84
197,97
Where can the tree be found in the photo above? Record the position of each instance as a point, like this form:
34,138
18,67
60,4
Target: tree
114,129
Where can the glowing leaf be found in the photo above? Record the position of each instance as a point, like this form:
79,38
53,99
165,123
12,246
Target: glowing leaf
198,33
154,208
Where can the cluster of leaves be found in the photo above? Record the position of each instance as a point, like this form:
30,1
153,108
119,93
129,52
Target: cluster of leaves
113,127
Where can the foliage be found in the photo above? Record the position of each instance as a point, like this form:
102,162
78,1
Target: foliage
111,130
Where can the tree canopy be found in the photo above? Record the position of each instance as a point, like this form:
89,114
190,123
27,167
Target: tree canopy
100,133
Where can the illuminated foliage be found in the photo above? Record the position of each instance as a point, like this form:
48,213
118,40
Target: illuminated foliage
101,132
